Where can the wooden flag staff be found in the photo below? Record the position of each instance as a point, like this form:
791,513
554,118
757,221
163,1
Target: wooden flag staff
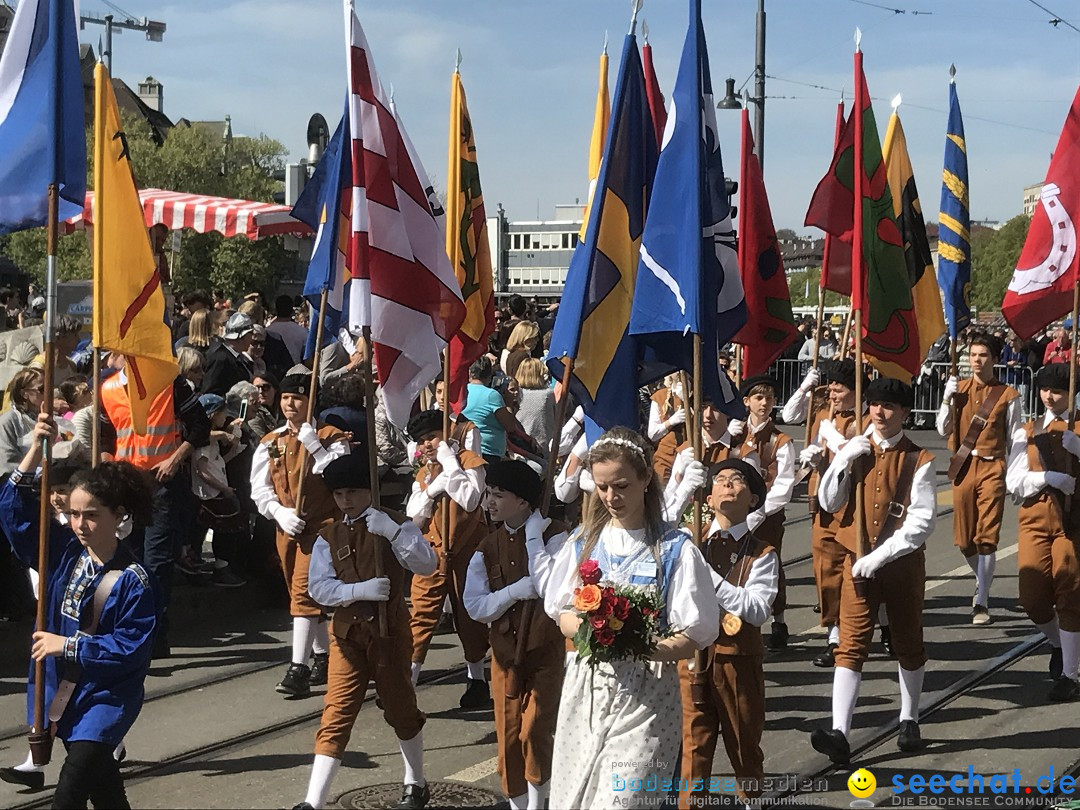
857,289
1072,383
311,401
373,474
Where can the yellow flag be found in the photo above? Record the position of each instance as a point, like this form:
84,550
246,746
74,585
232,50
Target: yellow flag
129,305
925,293
601,118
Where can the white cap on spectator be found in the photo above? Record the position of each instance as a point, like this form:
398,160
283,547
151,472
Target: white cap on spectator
238,325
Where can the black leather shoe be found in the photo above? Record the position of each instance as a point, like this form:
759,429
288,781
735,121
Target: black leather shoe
778,638
320,666
828,658
833,744
886,641
910,740
1063,690
303,806
477,696
35,780
414,797
161,647
1055,663
297,681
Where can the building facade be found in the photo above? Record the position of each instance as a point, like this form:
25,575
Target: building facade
531,258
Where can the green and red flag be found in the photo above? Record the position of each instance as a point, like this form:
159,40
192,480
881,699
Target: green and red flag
770,325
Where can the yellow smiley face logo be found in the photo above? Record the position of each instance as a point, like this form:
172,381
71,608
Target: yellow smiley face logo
861,783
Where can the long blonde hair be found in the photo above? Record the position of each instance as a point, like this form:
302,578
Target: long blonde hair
530,374
521,335
200,328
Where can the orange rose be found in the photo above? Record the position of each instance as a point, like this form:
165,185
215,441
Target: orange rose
588,598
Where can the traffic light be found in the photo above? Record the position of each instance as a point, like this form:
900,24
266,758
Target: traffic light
294,176
731,188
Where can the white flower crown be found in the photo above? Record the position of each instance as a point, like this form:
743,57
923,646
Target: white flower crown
621,442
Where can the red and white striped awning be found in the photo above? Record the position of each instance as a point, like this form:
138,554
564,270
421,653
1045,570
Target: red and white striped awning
177,211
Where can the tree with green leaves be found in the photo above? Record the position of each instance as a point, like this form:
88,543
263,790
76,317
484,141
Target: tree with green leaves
993,258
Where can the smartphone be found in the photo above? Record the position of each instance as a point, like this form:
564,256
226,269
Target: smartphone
243,410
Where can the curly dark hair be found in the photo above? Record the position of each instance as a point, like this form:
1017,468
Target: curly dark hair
121,486
347,389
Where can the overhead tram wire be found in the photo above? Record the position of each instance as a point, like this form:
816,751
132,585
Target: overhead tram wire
1057,19
891,8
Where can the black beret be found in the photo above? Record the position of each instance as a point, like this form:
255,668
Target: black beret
750,473
843,372
296,384
61,471
1053,375
424,423
887,389
348,472
516,477
750,383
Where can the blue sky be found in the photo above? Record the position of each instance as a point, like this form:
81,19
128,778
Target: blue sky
530,72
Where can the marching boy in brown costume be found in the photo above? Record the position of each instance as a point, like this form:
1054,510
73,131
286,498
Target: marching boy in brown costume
899,508
448,478
988,414
1049,528
354,572
276,470
506,574
744,572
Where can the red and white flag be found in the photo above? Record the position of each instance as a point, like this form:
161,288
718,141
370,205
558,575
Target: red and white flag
1041,289
403,286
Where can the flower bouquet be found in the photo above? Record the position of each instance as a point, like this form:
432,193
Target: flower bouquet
617,622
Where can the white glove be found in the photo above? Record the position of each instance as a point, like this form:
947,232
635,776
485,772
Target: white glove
536,525
447,456
951,385
309,438
694,476
522,589
381,524
290,523
1061,481
869,565
736,427
372,590
437,487
810,380
832,437
852,449
585,482
810,455
686,456
1071,442
677,418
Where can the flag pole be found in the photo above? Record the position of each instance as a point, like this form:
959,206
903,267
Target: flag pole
40,738
857,285
847,336
444,523
311,400
514,682
373,474
1072,381
95,409
701,657
954,371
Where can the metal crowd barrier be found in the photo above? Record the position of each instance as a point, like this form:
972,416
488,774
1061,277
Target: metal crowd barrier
928,387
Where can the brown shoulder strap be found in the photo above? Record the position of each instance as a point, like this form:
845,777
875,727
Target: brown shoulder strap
899,506
978,423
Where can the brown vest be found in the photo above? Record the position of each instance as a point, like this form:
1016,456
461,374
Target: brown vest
507,561
664,455
994,438
765,443
352,550
844,422
719,554
459,429
319,507
880,473
466,528
1045,453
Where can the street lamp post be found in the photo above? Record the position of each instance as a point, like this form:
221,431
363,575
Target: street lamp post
731,101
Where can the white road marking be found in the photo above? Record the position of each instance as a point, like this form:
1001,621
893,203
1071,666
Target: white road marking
474,773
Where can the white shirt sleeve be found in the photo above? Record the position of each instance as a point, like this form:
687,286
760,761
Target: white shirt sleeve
657,427
797,407
262,486
419,504
779,494
834,487
336,450
472,440
752,602
567,487
943,423
414,551
542,558
571,431
692,606
562,579
1014,419
466,487
1020,480
324,587
481,603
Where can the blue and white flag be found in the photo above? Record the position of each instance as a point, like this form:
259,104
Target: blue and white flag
688,278
42,138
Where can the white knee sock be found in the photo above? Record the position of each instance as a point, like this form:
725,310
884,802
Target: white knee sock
29,766
476,670
519,802
538,795
845,692
323,771
984,575
412,752
911,681
834,634
1070,653
416,667
321,643
303,630
1051,631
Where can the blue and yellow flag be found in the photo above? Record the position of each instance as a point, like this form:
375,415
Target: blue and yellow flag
591,326
954,224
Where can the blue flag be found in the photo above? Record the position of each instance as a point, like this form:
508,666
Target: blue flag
42,140
595,309
688,281
324,205
954,224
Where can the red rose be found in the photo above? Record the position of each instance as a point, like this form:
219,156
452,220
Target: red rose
590,572
598,622
605,637
604,609
622,608
609,592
